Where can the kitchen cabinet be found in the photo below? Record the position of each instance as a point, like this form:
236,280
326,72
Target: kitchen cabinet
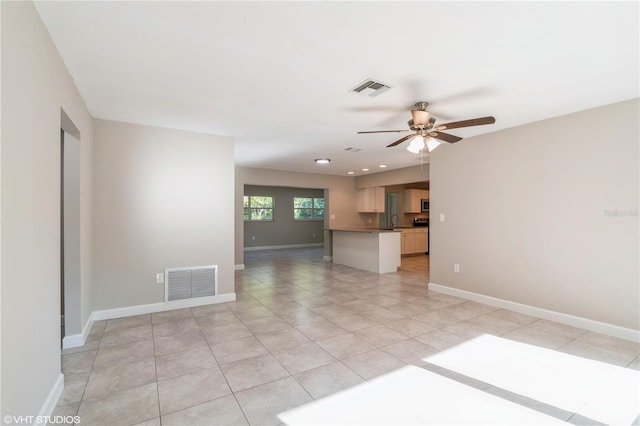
408,243
371,200
415,241
413,198
422,241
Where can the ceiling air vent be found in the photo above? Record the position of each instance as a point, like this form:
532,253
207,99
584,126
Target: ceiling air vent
370,88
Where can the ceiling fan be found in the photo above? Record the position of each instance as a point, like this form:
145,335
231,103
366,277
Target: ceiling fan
426,131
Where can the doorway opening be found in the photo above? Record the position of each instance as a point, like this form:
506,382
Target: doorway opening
70,256
284,218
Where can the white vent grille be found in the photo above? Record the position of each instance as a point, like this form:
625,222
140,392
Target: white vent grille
190,282
370,88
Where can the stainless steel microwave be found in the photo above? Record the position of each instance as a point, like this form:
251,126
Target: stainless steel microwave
424,205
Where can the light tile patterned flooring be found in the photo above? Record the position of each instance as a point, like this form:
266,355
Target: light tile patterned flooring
300,330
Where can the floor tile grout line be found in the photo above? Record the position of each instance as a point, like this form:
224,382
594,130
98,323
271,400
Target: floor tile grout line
288,372
228,384
155,364
521,398
632,361
240,406
82,399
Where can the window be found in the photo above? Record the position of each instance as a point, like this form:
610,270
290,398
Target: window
308,208
258,207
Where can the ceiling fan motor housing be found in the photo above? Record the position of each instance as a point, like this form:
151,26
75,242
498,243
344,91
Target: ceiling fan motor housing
420,118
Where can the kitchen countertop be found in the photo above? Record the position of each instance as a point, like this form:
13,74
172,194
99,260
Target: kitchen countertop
374,230
365,230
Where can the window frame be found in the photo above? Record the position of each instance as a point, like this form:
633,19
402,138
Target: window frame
250,209
313,209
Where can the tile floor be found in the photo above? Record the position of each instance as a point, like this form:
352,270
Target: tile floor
301,329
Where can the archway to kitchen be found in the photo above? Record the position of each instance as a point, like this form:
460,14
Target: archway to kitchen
407,210
341,198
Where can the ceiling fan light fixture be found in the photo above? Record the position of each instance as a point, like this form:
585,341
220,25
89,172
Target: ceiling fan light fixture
322,160
432,144
416,145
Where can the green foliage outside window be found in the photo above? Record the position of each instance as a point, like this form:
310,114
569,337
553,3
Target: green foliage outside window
308,208
258,207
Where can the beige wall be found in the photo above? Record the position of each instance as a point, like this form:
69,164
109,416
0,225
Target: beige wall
163,199
35,87
283,229
341,199
526,214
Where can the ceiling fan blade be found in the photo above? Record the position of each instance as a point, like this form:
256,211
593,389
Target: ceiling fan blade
445,137
399,141
467,123
385,131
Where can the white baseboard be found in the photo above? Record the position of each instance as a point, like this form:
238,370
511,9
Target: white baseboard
239,267
160,307
328,258
284,246
572,320
77,340
52,398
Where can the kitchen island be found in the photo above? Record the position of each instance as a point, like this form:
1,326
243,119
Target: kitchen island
373,250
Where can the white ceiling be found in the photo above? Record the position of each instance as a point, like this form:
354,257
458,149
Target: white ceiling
276,75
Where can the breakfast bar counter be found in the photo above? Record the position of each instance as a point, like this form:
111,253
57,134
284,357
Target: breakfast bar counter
373,250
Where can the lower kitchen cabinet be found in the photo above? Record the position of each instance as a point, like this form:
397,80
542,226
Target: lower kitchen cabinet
408,242
422,241
415,241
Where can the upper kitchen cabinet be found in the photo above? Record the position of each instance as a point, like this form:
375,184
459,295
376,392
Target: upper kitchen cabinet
371,200
413,198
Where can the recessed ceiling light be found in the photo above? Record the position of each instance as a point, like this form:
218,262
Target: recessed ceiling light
322,161
382,166
351,173
365,170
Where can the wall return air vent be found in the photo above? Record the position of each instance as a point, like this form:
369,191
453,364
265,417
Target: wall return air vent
370,88
190,282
